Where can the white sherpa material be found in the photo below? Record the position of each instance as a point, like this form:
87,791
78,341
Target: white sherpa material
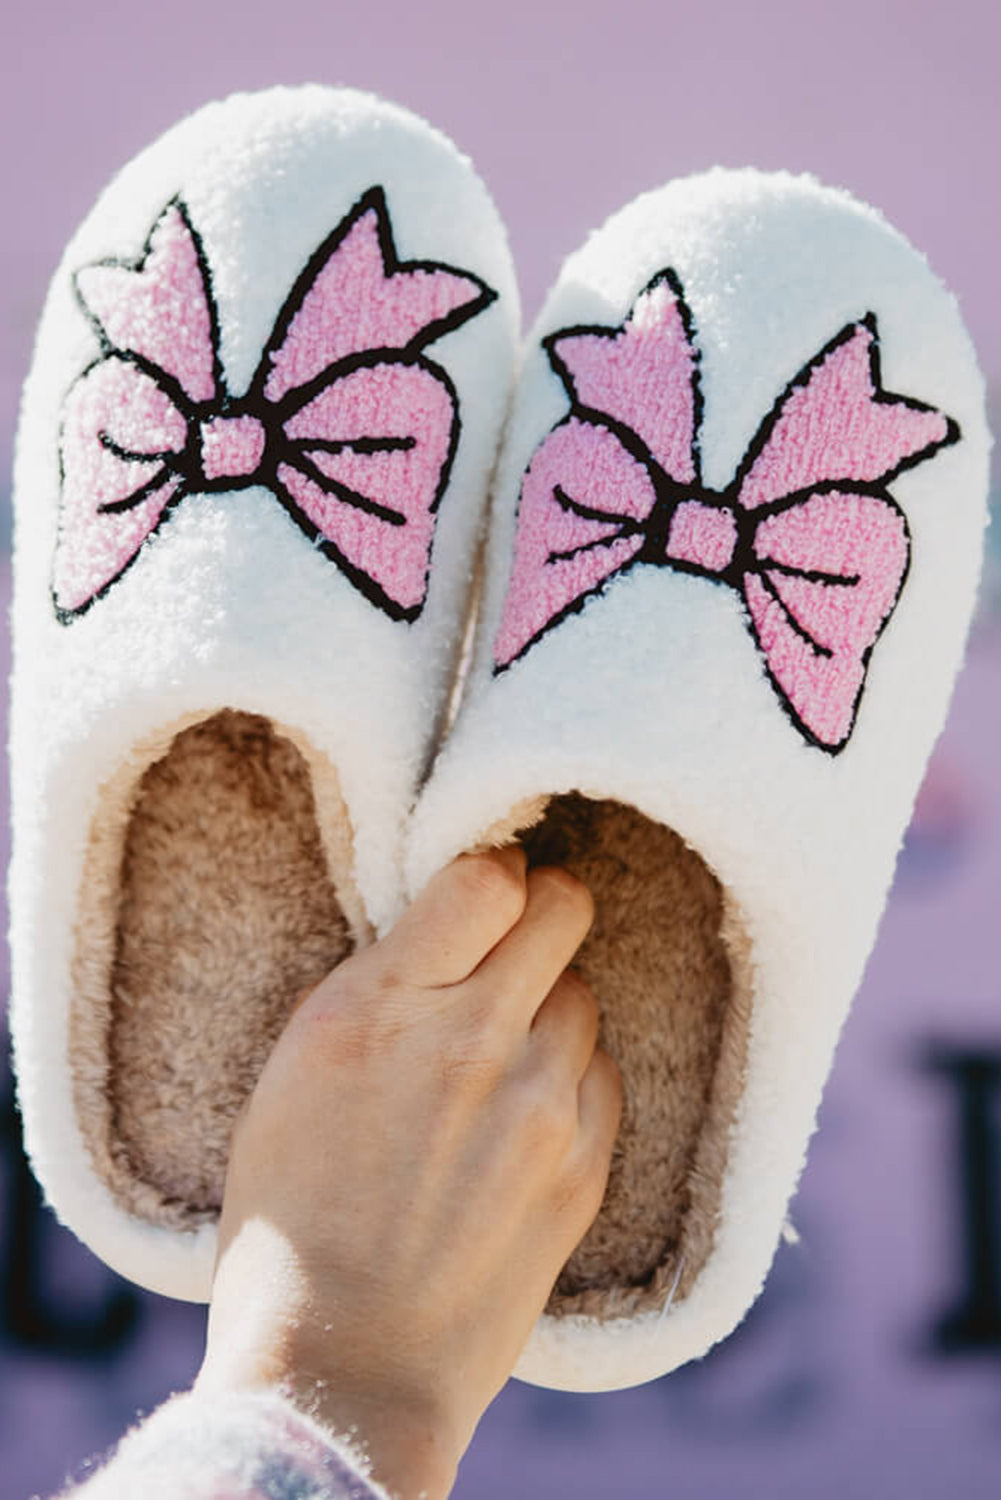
229,606
654,694
241,1443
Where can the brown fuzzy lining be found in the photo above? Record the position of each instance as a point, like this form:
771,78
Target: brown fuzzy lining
670,966
209,903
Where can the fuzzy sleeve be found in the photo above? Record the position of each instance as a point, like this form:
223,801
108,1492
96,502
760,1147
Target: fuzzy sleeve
235,1447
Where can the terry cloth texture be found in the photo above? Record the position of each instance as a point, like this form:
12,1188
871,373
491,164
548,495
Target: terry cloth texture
734,547
250,480
231,1447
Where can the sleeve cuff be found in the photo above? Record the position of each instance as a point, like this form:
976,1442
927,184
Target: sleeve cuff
246,1446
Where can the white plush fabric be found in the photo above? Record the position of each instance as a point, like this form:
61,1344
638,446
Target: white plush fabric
229,605
655,694
246,1445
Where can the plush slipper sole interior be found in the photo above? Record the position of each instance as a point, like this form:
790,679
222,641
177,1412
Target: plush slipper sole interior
225,911
663,960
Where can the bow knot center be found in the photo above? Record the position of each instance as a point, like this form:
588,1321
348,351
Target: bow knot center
231,447
703,535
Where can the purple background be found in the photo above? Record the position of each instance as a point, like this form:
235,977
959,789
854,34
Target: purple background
833,1386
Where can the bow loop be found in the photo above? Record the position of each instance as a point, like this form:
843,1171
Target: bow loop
643,376
160,309
835,424
355,297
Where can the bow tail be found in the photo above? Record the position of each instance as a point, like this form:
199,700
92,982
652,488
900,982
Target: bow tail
366,463
383,554
819,689
830,571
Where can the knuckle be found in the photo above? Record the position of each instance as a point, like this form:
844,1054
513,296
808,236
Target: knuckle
468,1074
561,887
581,1189
547,1110
493,882
471,1056
345,1039
380,979
579,995
571,1011
486,1028
603,1100
359,1022
611,1075
604,1080
592,1184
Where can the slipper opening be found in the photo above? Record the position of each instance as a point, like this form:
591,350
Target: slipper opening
218,891
669,964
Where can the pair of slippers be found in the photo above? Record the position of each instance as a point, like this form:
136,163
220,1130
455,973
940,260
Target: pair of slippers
738,499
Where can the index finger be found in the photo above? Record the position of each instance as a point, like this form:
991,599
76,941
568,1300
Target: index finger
460,916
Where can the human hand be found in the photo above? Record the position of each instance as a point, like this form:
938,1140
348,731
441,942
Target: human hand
429,1141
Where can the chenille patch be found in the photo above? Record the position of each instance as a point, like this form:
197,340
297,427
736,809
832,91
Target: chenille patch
346,420
807,532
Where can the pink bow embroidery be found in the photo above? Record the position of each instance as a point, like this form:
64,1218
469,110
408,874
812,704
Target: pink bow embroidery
349,425
806,532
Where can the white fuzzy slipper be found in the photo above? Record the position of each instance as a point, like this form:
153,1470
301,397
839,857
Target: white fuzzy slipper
735,544
251,465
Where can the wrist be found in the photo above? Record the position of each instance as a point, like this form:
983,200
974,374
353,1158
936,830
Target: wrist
266,1334
407,1445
